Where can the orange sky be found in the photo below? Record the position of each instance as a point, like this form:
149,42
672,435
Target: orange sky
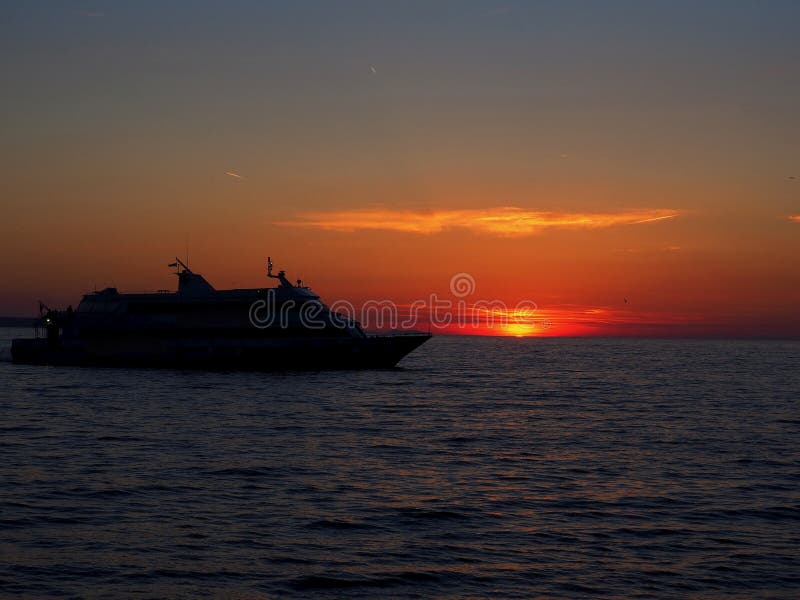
557,156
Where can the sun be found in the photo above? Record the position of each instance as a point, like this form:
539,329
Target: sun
519,329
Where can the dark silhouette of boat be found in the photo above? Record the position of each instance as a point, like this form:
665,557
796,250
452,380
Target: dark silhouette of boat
283,327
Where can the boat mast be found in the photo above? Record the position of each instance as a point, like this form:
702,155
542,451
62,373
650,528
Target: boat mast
178,264
280,276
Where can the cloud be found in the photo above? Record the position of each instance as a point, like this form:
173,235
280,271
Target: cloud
795,218
503,221
659,218
232,174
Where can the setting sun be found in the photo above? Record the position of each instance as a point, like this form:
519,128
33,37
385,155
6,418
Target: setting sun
520,330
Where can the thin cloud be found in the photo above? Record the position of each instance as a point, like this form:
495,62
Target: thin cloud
795,218
502,221
232,174
651,219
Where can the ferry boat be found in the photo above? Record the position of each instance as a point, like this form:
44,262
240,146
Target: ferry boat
285,327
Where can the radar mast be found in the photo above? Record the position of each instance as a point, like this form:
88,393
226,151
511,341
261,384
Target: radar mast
285,283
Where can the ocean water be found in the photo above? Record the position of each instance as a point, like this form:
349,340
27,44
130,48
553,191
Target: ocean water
484,467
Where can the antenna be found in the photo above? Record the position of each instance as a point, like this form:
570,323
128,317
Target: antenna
187,251
269,266
179,263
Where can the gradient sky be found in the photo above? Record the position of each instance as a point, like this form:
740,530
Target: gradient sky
574,154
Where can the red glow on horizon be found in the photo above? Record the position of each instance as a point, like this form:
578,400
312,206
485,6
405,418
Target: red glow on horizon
564,321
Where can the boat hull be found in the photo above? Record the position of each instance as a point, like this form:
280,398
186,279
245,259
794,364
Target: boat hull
371,352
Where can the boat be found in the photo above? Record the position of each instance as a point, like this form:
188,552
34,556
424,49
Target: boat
285,327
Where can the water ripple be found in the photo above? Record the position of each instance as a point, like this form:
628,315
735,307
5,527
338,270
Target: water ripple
482,468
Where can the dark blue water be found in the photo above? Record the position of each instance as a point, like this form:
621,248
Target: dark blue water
484,468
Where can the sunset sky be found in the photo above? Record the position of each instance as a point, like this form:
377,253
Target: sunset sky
633,168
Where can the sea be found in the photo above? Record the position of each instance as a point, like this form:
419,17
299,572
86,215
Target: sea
480,468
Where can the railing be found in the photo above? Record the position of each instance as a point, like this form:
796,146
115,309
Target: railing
396,332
